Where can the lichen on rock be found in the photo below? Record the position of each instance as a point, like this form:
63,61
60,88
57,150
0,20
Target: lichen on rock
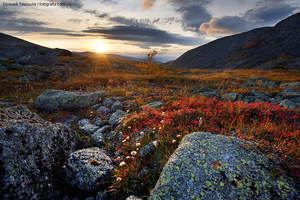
214,167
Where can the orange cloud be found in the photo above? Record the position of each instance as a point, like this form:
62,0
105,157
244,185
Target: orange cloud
147,4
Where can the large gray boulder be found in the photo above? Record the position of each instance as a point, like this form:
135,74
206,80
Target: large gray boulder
32,151
88,169
56,100
216,167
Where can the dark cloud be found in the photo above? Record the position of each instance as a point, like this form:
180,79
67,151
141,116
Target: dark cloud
269,13
148,35
13,21
266,13
193,12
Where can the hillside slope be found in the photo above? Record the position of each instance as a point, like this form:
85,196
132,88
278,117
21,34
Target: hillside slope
23,52
267,47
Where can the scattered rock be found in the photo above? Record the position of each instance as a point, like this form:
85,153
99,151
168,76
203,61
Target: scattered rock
156,104
89,128
116,117
98,138
108,102
132,197
56,100
99,122
83,122
290,85
102,110
209,166
88,169
5,103
209,94
146,150
230,96
118,105
288,104
32,151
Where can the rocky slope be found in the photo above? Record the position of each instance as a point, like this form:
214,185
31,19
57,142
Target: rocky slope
23,52
267,47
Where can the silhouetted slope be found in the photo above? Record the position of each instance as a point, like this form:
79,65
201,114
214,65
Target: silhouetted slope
267,47
24,52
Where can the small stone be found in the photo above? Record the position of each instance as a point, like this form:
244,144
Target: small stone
83,122
230,96
146,150
156,104
89,128
102,110
99,122
118,105
108,102
116,117
132,197
98,138
288,104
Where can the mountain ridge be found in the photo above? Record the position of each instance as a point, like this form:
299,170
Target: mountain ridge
265,47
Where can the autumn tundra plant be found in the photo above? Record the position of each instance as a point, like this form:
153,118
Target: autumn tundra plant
158,132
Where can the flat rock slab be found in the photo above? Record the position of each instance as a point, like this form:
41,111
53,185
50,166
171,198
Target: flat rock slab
57,100
215,167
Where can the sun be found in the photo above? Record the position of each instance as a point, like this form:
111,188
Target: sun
100,47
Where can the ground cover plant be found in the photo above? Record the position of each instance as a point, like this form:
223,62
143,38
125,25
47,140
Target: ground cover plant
273,128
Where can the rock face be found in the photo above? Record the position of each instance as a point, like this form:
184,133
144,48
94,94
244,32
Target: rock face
56,100
216,167
32,151
88,169
259,48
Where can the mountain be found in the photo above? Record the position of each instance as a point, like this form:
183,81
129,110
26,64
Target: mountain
23,52
267,47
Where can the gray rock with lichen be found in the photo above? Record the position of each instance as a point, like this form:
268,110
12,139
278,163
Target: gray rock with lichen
216,167
32,151
88,169
56,100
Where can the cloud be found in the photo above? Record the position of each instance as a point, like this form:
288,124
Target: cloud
193,12
73,4
148,35
224,26
269,14
13,21
266,13
148,4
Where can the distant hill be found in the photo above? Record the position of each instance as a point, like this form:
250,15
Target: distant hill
23,52
267,47
111,56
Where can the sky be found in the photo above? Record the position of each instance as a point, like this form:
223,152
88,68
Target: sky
136,27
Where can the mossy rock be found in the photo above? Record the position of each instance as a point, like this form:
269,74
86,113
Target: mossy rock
56,100
215,167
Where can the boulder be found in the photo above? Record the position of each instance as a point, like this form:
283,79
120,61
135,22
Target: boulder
216,167
57,100
88,169
116,117
32,152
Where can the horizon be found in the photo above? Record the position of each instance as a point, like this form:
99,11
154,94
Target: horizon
108,26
